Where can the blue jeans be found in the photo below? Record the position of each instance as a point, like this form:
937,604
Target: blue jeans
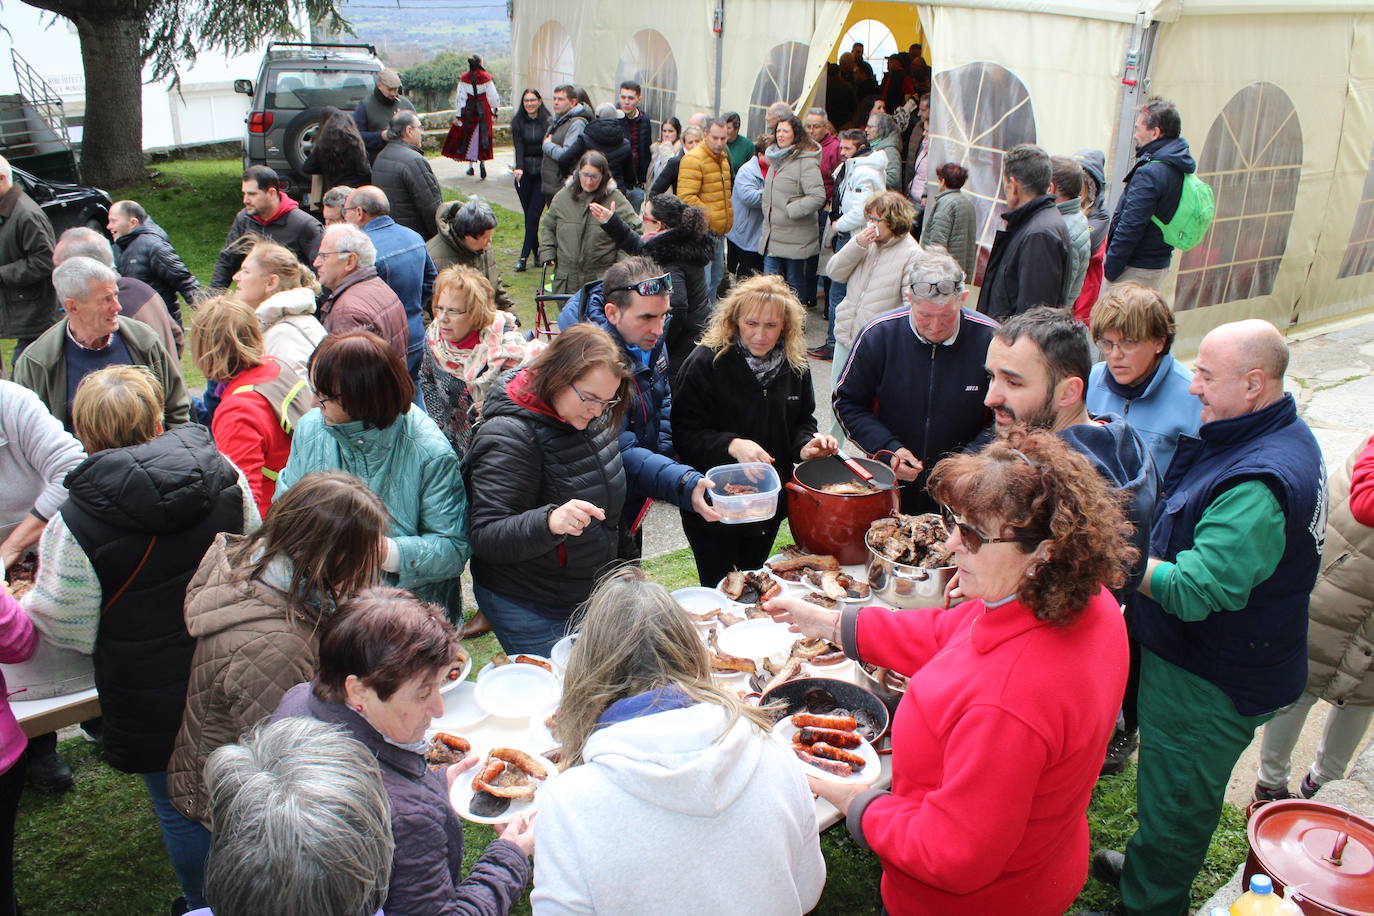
793,270
837,292
517,628
715,271
187,842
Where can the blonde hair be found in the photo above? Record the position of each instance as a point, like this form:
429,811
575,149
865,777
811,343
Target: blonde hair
226,338
117,407
472,286
893,208
282,262
633,639
757,292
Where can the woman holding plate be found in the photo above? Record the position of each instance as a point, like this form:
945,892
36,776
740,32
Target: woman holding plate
999,737
383,658
659,751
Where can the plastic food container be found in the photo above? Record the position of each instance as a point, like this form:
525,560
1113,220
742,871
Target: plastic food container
759,505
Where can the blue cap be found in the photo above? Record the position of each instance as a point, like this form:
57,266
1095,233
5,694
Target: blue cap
1261,884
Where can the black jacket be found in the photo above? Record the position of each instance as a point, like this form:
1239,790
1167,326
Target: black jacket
522,464
28,303
292,227
527,134
606,137
1028,261
145,253
145,516
684,256
640,141
717,400
404,175
1153,187
899,391
354,174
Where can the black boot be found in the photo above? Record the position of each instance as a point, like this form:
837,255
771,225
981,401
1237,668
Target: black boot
483,167
520,266
469,171
47,769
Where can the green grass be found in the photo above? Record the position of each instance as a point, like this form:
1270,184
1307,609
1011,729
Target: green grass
98,847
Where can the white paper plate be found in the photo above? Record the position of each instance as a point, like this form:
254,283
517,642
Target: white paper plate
460,709
701,600
461,678
812,584
756,639
491,666
560,653
516,691
732,603
784,731
786,583
460,796
540,735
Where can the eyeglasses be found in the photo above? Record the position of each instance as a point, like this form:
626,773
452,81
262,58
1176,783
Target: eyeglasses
972,538
603,403
590,176
653,286
322,253
322,399
451,313
926,288
1121,346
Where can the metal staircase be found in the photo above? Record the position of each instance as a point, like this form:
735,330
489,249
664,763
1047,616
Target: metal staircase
34,132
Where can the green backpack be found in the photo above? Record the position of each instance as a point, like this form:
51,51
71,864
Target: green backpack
1193,216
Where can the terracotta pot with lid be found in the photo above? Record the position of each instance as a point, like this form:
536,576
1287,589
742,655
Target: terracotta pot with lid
1323,851
828,523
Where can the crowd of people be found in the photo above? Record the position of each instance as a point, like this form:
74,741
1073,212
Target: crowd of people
265,577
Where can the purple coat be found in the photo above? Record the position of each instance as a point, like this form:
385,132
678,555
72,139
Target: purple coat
426,872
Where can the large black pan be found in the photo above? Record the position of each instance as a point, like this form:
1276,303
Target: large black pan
801,696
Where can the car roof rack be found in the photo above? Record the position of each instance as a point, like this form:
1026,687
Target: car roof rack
371,49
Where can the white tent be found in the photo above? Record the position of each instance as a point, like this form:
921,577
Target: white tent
1277,101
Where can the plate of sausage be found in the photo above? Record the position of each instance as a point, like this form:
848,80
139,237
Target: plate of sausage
829,747
505,782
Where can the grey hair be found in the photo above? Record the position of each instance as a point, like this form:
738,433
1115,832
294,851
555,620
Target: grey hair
694,130
400,123
882,122
74,277
1030,166
336,196
372,200
818,111
6,170
353,240
302,824
781,110
934,265
472,218
607,110
83,242
715,122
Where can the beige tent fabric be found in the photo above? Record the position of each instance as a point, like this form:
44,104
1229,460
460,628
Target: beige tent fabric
1203,63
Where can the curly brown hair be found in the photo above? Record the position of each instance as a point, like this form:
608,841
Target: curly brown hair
1034,486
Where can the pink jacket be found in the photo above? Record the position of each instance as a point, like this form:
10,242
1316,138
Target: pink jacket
18,639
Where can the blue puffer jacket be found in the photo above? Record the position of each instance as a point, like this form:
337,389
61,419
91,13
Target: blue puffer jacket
414,471
646,441
1163,412
404,263
1153,186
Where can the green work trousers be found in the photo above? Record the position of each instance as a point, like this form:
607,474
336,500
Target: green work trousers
1190,739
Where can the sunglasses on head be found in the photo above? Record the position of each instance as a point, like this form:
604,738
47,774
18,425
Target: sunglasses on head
942,288
654,286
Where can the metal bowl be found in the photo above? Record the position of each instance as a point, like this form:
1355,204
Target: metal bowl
846,695
902,585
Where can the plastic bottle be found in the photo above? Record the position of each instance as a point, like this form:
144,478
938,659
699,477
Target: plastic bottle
1260,899
1289,905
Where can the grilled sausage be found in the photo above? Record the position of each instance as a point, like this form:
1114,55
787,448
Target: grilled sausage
831,736
841,723
830,766
821,749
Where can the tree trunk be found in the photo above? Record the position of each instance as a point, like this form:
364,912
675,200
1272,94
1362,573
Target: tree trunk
112,138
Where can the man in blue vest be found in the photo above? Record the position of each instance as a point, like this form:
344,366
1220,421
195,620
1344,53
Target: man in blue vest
1222,615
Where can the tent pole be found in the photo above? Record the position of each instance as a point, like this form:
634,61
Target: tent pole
718,26
1135,89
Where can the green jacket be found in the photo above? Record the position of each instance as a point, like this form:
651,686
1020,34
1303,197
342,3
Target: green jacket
953,226
415,472
28,305
570,236
42,368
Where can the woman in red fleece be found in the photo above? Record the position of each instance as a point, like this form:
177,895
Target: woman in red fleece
226,341
1013,693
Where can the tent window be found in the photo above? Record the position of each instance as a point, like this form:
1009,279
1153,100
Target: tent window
648,60
877,41
551,58
1359,254
977,113
782,79
1252,160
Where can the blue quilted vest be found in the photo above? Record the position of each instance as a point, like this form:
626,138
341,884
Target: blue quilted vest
1256,654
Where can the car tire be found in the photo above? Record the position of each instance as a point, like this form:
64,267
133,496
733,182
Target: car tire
300,136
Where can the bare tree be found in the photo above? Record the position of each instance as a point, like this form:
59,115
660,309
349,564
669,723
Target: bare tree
120,37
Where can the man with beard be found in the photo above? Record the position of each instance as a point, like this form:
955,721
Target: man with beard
268,212
1038,365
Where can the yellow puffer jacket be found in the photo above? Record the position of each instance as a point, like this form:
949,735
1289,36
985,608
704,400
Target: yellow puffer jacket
703,181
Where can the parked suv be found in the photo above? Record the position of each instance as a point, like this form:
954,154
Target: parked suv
296,82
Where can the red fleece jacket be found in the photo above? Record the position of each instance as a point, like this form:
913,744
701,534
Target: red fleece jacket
996,747
247,431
